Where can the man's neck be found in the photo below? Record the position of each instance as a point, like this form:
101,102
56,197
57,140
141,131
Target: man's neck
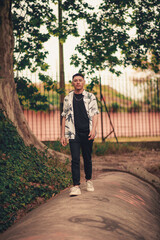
78,91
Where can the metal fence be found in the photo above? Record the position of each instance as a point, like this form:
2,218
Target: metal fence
132,108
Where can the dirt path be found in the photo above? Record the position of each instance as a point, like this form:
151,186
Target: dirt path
150,160
143,164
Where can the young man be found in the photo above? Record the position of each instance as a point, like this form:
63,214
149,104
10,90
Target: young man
80,116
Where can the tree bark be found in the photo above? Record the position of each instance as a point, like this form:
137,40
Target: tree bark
9,101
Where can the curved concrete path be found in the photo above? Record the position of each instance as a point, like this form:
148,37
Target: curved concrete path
122,207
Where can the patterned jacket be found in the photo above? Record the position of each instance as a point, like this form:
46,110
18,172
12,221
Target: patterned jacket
90,103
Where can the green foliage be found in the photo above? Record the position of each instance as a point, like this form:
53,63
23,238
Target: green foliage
129,27
114,107
73,11
154,108
28,19
34,22
49,84
26,174
29,95
94,83
37,97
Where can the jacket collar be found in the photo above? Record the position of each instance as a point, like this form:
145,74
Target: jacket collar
83,93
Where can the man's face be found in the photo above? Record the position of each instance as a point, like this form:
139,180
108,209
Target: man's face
78,83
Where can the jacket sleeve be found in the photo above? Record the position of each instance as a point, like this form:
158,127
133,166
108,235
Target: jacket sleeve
93,106
65,104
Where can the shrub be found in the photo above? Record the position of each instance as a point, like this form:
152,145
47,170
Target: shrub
26,174
115,107
135,107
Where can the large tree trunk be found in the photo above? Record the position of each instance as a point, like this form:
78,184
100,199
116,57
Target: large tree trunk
8,96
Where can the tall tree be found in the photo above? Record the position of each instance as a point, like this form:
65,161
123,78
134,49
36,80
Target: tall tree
8,96
121,33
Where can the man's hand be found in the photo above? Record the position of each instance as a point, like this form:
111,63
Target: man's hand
63,141
91,135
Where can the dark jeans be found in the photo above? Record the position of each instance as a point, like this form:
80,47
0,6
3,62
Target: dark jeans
81,142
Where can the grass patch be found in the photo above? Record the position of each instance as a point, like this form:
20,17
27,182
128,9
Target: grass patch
27,176
106,148
99,149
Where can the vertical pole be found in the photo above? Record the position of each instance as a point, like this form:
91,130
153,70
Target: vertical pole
61,60
100,86
157,105
158,93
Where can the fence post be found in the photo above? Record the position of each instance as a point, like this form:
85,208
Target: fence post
61,61
100,87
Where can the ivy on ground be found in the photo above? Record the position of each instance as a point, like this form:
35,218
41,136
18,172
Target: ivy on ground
26,174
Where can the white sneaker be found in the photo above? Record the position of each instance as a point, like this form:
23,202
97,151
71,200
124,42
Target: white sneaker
90,187
75,191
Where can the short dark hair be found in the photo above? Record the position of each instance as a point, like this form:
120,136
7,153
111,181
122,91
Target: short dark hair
78,74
